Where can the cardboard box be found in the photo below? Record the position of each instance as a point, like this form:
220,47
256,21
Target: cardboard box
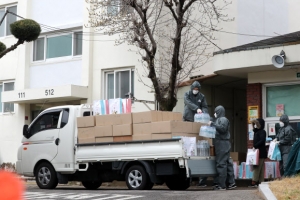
120,119
88,121
88,132
171,127
120,130
196,127
113,119
104,139
171,116
86,140
142,129
238,156
142,137
146,117
122,138
104,120
103,131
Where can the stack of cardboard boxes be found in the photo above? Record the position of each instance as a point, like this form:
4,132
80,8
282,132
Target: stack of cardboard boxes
150,125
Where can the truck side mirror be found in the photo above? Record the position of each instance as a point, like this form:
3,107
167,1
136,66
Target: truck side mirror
25,131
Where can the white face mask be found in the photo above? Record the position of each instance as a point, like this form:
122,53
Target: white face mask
255,126
195,91
281,124
215,115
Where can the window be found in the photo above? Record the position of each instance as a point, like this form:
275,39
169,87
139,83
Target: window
288,95
57,46
119,83
45,122
118,6
6,107
64,118
9,19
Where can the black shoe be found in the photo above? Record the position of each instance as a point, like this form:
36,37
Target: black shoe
215,185
231,186
253,185
219,188
201,185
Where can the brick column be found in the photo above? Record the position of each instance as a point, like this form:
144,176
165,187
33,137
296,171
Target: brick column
254,98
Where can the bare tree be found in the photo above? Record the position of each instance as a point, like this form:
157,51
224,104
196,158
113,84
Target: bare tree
173,36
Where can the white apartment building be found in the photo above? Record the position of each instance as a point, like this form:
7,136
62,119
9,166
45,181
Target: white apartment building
71,64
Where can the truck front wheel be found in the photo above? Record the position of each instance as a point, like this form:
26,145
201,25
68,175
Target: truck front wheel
137,178
91,185
177,183
45,176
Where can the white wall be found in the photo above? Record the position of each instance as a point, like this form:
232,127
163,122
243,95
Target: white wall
57,13
264,17
12,67
55,74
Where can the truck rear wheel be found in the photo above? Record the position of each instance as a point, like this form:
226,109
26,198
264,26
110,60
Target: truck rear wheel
137,178
45,176
91,185
178,183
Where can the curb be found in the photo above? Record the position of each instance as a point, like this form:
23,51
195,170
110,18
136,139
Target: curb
26,178
265,191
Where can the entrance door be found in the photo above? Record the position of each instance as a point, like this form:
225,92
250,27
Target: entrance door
42,143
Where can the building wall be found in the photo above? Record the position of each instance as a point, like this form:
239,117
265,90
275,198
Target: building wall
254,98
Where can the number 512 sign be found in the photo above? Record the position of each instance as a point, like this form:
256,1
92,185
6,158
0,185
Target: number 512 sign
48,92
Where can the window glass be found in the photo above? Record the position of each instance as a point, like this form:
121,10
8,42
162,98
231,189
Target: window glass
77,43
38,49
1,88
112,8
282,95
132,83
65,118
10,18
59,46
2,12
122,84
110,86
45,122
9,107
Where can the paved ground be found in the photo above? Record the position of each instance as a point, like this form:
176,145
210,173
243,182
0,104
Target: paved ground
63,192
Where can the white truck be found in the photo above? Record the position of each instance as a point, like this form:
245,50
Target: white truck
50,152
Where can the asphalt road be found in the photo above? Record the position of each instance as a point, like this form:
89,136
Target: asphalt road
121,193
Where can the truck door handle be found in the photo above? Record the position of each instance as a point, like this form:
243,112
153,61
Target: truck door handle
57,141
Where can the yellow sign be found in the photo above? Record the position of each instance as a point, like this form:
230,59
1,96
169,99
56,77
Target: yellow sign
252,113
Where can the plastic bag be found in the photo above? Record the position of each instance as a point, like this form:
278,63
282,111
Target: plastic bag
207,131
202,118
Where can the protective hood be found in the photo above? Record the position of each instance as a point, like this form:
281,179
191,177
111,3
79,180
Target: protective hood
196,84
260,123
285,119
220,111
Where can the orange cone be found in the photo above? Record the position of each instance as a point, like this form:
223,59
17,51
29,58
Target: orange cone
11,186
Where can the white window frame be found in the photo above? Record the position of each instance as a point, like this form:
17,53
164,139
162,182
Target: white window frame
273,120
114,71
264,94
3,90
57,58
5,20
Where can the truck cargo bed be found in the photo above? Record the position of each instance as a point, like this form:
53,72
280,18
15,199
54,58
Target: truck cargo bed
130,150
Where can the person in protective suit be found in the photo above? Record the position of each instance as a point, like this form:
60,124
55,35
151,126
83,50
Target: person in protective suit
259,142
194,102
286,137
224,165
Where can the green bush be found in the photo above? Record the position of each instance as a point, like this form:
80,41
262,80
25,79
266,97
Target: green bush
2,47
26,29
